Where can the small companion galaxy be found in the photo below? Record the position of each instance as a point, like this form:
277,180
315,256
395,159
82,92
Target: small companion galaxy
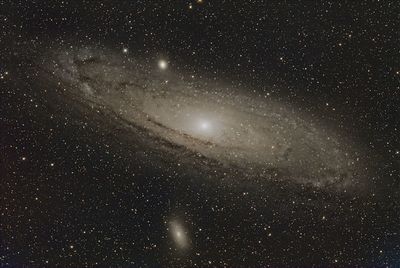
200,134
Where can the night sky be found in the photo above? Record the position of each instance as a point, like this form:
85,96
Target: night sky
199,133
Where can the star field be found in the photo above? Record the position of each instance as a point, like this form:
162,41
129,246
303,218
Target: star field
199,133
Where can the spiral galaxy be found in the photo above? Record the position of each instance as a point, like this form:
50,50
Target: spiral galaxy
199,134
264,139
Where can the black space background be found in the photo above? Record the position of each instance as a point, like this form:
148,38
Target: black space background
337,60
